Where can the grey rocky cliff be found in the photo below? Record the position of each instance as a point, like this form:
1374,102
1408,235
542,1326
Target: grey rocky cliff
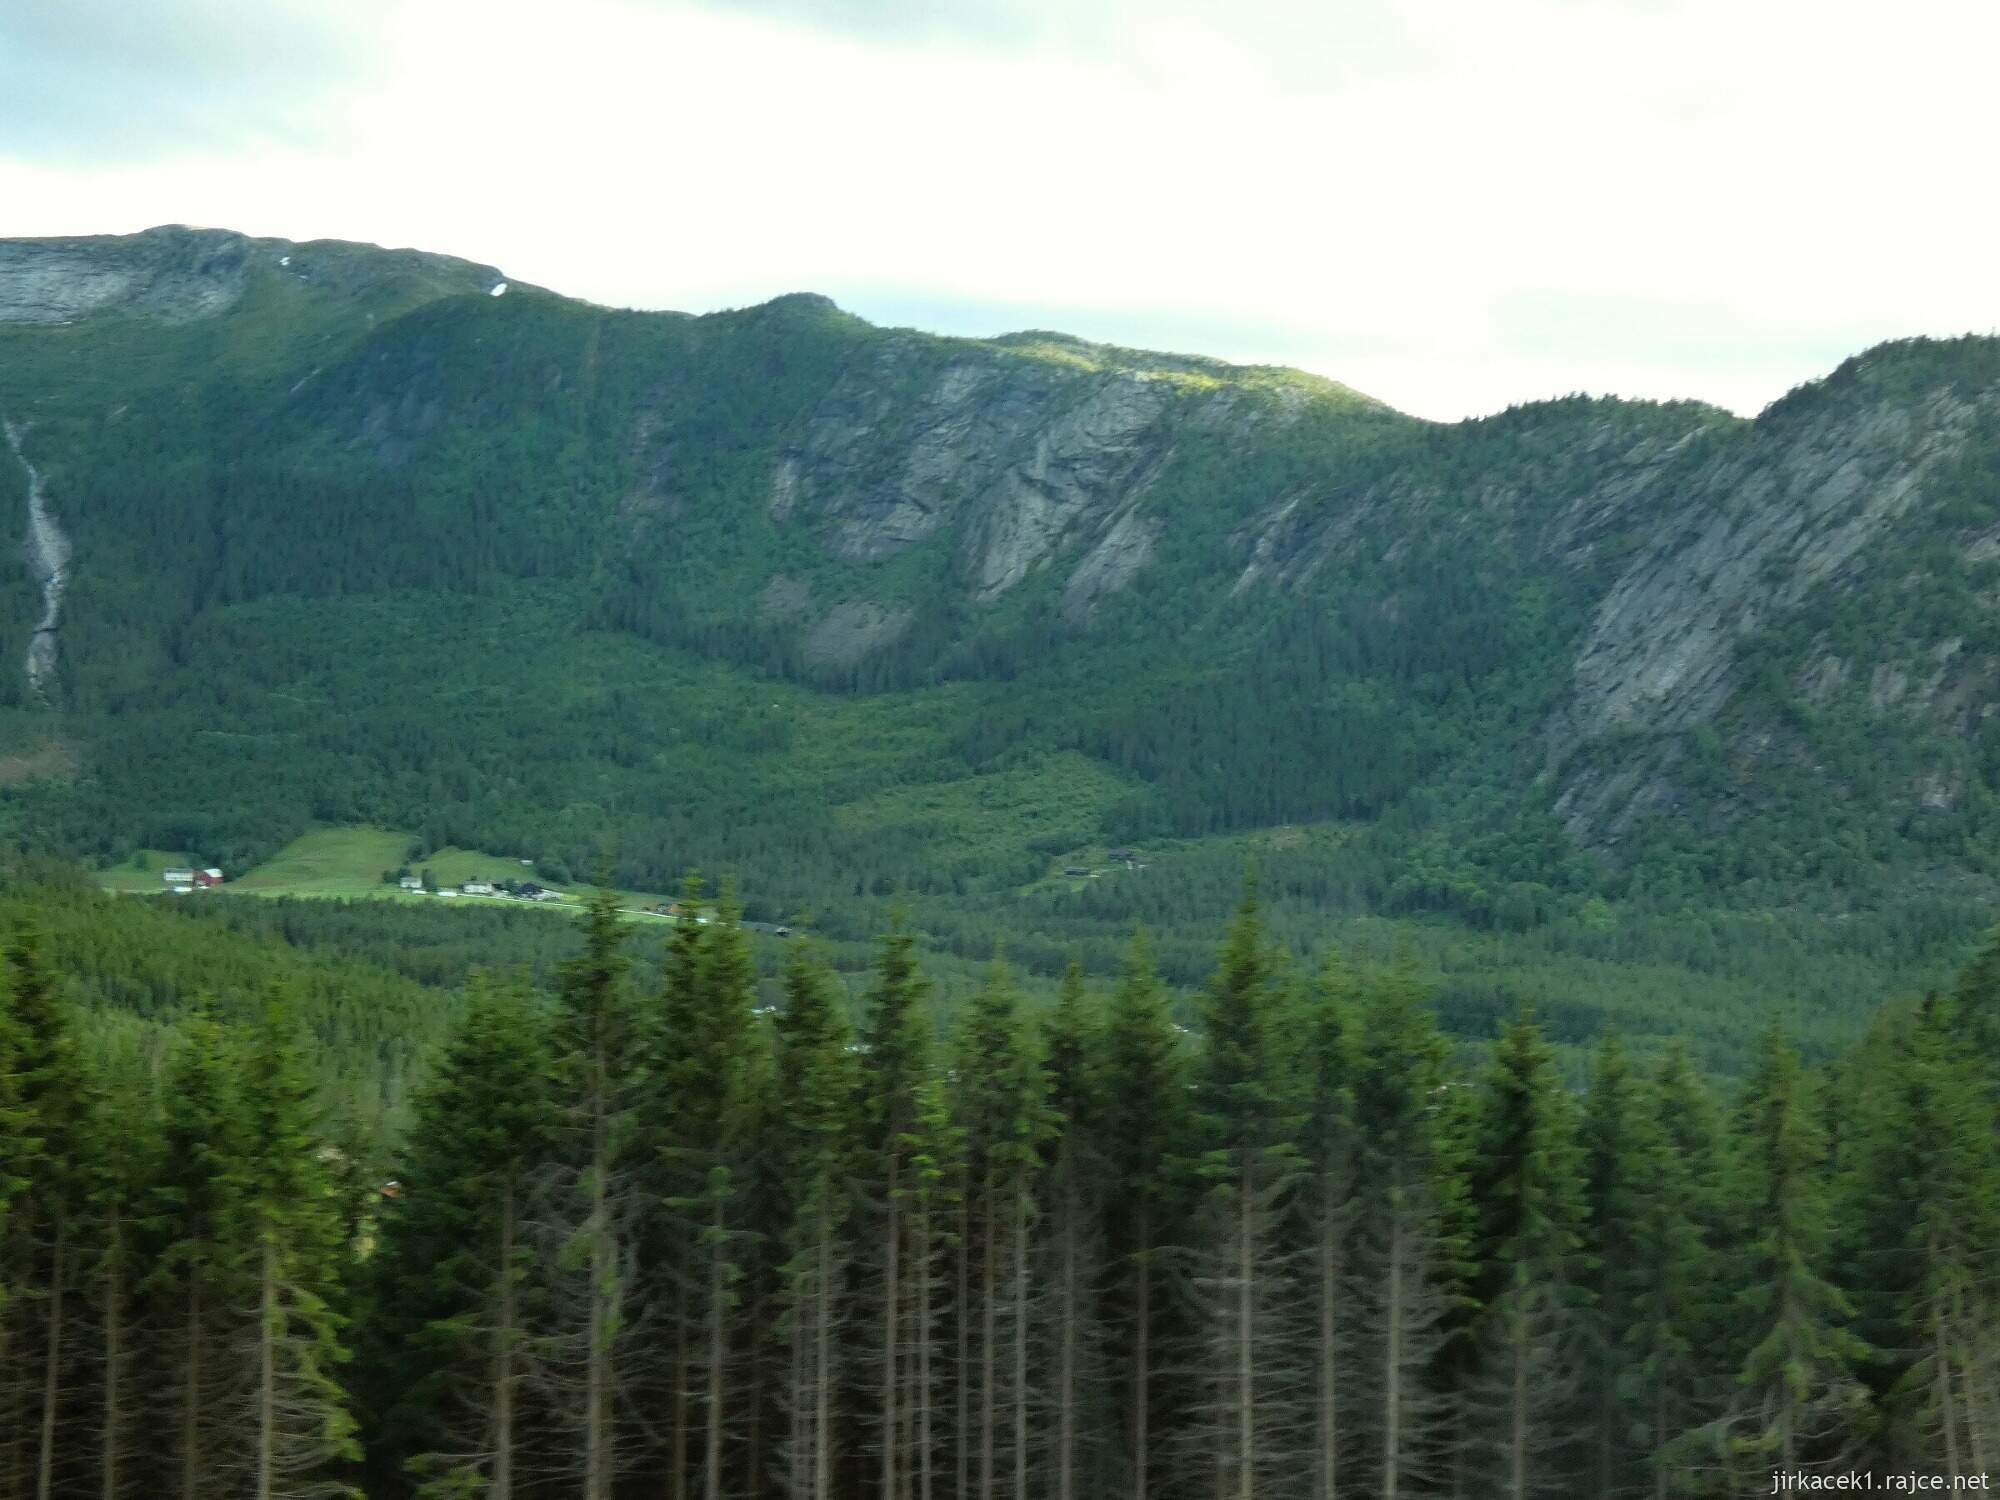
1020,462
1754,533
178,274
1760,530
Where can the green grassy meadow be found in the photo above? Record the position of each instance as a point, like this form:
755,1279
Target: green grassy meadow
346,864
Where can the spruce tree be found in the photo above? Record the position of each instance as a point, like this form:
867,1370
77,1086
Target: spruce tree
818,1080
296,1421
594,1072
43,1255
670,1286
1615,1138
456,1263
1924,1201
1145,1130
698,1117
1071,1272
1527,1195
1327,1209
898,1102
1246,1097
999,1119
196,1284
1798,1405
19,1146
121,1162
1409,1247
1670,1288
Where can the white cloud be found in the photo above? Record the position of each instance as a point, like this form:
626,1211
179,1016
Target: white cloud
1451,203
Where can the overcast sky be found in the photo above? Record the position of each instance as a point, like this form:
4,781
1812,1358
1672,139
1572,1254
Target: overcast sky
1451,204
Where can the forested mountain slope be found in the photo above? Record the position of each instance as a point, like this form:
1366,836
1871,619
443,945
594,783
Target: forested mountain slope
371,536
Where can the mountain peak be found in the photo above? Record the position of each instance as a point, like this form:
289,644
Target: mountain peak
181,272
801,302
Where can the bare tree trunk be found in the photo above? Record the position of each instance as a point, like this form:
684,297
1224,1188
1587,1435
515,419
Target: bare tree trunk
679,1421
1020,1341
823,1368
922,1261
502,1487
112,1435
1517,1419
718,1351
1941,1357
193,1375
963,1258
989,1335
1976,1414
597,1457
1392,1364
1328,1414
1142,1354
891,1369
1661,1432
267,1373
1246,1390
52,1359
1066,1374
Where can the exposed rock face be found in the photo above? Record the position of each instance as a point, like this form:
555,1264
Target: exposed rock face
1067,476
784,598
178,274
852,631
1114,562
1753,535
794,477
1748,536
1015,457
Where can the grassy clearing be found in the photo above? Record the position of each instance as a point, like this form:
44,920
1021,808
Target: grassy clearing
979,822
143,870
330,862
346,864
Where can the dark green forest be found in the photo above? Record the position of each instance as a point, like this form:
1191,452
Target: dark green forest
374,547
661,1224
1594,1093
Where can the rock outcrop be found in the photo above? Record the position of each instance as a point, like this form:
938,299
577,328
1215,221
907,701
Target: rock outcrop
178,274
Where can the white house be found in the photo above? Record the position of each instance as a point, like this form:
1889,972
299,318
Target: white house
177,877
477,887
411,883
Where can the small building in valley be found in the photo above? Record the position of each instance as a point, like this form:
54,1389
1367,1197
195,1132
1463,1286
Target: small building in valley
210,876
411,883
477,887
178,876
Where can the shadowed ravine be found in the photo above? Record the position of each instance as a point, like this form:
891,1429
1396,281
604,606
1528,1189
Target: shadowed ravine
48,560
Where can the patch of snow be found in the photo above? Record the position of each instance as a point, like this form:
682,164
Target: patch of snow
499,289
284,260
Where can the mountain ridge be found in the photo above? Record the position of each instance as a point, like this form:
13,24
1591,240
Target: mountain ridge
1577,644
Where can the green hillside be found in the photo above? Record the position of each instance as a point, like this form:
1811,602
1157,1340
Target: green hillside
862,615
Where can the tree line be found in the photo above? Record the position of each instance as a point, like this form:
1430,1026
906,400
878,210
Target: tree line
661,1240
